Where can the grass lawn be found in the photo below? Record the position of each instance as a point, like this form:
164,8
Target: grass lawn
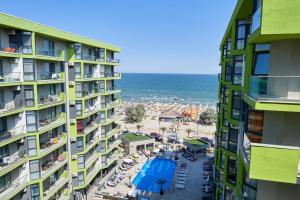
195,142
133,137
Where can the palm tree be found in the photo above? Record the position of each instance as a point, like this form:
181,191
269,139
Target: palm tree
163,129
188,131
138,127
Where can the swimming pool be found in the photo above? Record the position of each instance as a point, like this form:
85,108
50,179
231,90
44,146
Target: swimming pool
152,171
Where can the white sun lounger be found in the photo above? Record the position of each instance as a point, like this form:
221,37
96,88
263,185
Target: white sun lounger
180,172
180,182
179,186
181,175
181,178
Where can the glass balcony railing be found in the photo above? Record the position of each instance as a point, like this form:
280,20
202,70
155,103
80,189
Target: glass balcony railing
63,180
49,99
10,77
112,60
256,18
11,106
51,75
51,166
88,57
10,134
47,123
49,52
281,89
11,48
17,185
52,144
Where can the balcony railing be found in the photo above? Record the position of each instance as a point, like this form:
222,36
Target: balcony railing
10,77
17,185
91,160
48,52
281,89
93,173
52,144
274,163
49,99
112,90
256,18
51,166
88,57
15,132
10,106
51,75
56,186
112,60
47,123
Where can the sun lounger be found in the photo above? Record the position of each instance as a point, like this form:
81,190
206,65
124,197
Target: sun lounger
181,178
181,172
180,182
182,175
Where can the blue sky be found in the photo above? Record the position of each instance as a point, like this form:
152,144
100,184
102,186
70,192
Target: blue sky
156,36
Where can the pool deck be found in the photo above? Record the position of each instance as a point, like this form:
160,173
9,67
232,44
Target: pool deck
192,190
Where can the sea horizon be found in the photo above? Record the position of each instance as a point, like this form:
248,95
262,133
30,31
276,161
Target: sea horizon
200,89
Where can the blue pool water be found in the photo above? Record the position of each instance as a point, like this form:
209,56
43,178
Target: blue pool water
152,171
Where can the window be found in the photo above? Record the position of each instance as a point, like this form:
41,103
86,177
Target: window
222,160
231,170
261,59
225,120
80,144
242,33
31,121
227,48
3,126
31,141
5,182
77,70
35,192
228,75
238,70
48,48
78,90
29,96
101,53
224,139
229,194
255,124
233,134
249,187
4,151
236,105
80,178
80,162
77,49
26,43
28,65
225,93
34,168
78,108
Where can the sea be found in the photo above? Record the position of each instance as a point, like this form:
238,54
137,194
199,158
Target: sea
169,88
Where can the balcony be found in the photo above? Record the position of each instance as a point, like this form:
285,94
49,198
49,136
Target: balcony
280,89
113,144
8,78
47,124
113,60
111,104
274,163
92,142
90,176
51,100
53,144
115,75
88,57
91,159
45,77
12,162
11,107
15,187
50,53
12,135
112,132
112,90
63,180
52,166
256,20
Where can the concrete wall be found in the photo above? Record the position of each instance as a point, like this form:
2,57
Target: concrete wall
277,191
284,61
281,128
16,121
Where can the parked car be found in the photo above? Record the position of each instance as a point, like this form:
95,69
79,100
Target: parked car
173,138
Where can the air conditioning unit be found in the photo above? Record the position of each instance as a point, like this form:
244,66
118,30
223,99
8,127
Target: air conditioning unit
73,139
71,63
72,102
72,121
71,82
74,175
74,157
10,31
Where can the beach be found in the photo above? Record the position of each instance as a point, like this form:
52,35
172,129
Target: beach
151,121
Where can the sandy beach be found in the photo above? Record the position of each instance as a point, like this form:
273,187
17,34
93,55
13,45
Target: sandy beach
151,123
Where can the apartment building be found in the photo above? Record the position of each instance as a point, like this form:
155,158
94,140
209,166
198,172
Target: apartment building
58,129
258,135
